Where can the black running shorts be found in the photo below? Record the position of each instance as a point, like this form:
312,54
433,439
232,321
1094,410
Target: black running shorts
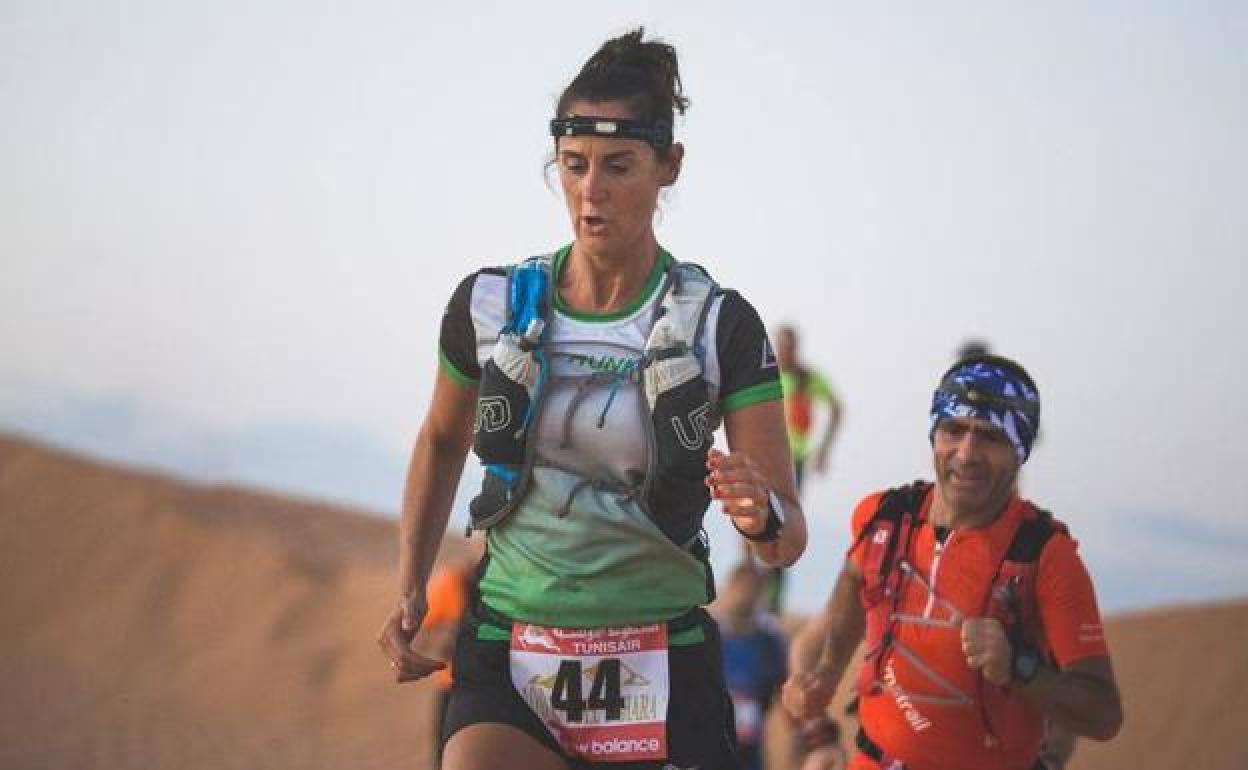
700,725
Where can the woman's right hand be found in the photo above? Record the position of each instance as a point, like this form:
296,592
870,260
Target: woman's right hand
397,640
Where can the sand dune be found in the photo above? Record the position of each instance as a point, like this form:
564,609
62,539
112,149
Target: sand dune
1183,673
149,623
146,623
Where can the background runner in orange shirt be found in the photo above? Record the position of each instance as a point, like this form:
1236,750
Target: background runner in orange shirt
979,616
447,594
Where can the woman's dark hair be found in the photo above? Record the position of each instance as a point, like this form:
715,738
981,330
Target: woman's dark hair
643,74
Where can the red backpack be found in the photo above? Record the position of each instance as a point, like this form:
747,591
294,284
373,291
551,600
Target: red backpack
1011,599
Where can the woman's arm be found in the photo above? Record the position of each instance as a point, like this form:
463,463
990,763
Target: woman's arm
759,462
432,478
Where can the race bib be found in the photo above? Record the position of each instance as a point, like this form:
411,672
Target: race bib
602,693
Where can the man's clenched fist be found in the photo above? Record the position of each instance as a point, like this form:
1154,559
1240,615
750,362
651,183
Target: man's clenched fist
987,649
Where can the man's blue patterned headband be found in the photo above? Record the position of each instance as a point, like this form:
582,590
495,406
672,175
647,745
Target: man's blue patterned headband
993,389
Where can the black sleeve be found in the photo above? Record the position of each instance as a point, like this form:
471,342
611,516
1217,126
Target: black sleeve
748,370
457,345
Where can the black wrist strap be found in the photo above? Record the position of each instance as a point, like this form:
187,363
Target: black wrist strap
1034,661
770,533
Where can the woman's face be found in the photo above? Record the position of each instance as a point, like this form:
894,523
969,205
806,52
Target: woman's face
612,185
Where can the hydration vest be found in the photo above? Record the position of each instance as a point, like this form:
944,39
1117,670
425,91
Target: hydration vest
1010,597
683,411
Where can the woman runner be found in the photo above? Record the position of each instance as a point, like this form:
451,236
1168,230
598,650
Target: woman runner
589,383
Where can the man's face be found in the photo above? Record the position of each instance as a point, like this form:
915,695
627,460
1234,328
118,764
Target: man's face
976,468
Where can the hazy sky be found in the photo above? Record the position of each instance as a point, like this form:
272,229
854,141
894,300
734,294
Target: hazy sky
227,232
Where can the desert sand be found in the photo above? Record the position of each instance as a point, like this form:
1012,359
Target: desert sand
151,623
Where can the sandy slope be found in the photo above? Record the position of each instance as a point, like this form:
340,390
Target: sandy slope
147,623
1183,674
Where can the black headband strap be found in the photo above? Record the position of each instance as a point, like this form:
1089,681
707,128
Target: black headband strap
979,398
658,135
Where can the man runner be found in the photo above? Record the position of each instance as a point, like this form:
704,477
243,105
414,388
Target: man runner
980,618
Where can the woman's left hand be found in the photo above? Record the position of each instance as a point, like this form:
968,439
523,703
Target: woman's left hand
737,482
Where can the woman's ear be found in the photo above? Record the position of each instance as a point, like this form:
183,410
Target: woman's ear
675,156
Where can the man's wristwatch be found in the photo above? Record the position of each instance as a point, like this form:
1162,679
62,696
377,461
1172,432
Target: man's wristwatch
775,522
1024,665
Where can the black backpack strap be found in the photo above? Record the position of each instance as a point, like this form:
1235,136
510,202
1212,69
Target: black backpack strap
1028,543
895,504
1017,591
1031,537
1025,547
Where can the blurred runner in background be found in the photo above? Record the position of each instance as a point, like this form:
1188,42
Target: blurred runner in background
806,392
819,745
754,657
447,595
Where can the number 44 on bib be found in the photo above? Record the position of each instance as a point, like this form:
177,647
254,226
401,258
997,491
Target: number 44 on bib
602,692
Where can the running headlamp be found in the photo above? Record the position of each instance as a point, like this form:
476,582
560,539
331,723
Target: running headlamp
658,134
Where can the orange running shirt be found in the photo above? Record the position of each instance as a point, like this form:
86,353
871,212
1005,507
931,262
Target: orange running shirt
952,736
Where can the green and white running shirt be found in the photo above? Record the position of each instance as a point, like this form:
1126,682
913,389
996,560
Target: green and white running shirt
585,557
